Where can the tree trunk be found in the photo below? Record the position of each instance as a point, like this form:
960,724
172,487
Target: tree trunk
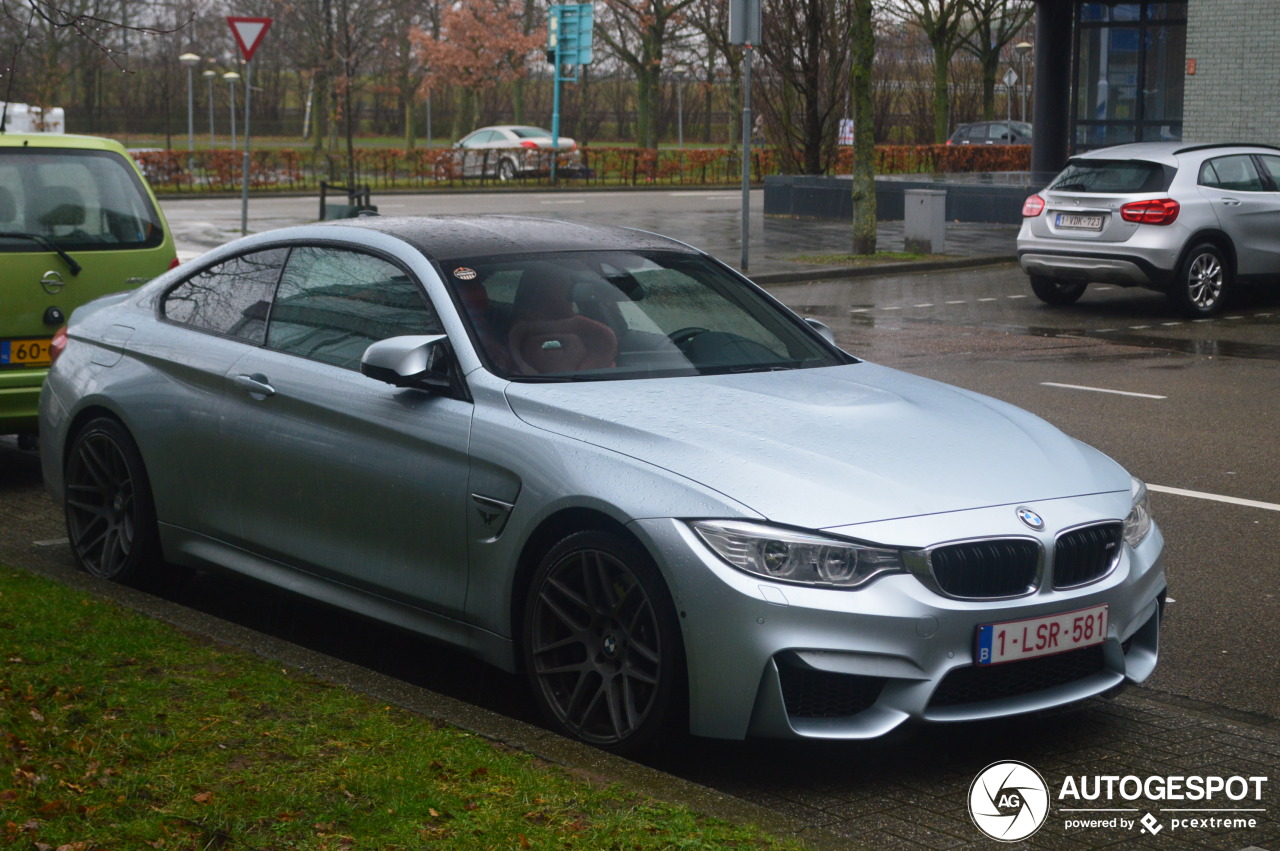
864,175
941,96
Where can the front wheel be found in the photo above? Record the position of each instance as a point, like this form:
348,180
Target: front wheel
111,518
1053,291
1200,289
602,646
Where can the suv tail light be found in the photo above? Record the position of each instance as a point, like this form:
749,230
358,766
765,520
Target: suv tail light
1032,207
58,344
1163,211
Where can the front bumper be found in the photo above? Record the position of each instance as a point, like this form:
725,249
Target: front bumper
787,661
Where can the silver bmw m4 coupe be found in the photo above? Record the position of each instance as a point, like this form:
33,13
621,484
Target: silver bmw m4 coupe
603,458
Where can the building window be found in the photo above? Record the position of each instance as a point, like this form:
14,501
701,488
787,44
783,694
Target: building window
1129,73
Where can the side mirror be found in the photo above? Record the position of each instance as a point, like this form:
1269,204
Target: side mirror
821,328
417,363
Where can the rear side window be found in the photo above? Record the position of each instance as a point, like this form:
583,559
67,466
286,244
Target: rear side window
81,200
231,298
1235,173
1113,177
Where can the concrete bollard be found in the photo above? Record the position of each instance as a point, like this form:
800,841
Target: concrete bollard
925,221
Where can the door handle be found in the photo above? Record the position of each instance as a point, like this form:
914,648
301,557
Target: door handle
1231,202
256,385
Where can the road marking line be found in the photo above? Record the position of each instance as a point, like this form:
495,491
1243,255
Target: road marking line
1017,296
988,299
1213,497
926,304
860,310
1139,327
957,302
1102,390
1170,324
565,201
892,307
55,542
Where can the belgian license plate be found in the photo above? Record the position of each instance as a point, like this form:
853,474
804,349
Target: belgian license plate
1073,221
1027,639
24,352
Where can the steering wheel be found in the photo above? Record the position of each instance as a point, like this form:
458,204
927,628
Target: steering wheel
684,335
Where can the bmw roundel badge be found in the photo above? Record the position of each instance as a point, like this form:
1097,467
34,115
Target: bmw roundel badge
1030,518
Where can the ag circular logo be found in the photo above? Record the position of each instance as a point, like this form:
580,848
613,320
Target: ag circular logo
1009,801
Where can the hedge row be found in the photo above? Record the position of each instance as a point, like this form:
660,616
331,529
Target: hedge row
219,170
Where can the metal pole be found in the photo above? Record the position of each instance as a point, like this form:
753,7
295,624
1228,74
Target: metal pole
680,106
746,154
231,102
244,173
428,120
209,75
1024,84
555,119
191,112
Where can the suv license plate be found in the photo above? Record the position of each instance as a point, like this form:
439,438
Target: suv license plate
24,352
1027,639
1074,222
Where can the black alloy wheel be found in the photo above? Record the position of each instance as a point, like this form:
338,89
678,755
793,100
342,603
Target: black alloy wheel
111,520
602,645
1054,291
1200,290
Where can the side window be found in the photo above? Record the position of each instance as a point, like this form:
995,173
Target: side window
1272,166
231,298
332,303
1234,173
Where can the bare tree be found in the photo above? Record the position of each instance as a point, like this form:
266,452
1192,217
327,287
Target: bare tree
945,24
805,44
638,33
995,23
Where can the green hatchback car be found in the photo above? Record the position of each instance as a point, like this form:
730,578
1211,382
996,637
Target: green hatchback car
77,221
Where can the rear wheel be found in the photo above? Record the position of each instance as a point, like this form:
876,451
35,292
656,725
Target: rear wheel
1200,290
602,644
506,170
111,519
1054,291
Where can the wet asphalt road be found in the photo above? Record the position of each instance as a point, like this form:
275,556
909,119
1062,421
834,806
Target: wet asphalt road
1184,405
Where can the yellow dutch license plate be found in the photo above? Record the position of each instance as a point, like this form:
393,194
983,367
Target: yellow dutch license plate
24,352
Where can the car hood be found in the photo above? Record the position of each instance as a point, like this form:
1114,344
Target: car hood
828,447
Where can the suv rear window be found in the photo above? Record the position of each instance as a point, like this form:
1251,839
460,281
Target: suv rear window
80,200
1113,176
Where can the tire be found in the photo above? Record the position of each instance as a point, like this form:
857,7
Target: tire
1054,291
506,170
1203,281
601,642
111,518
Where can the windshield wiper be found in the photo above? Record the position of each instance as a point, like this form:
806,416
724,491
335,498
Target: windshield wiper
47,243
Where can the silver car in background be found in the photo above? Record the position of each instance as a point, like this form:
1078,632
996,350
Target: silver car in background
510,151
606,459
1189,220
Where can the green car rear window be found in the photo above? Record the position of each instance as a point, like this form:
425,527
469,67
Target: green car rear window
1113,176
80,200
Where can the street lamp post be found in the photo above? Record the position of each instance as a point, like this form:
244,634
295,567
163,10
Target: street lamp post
191,61
680,104
231,77
1022,48
209,74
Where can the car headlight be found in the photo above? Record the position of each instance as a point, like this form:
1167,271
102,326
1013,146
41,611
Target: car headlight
787,556
1138,523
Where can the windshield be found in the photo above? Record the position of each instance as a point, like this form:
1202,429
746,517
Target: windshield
1113,176
621,314
77,200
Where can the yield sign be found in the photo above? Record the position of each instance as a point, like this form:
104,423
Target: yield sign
249,33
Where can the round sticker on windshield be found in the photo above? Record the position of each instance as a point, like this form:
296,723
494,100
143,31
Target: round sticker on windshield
462,273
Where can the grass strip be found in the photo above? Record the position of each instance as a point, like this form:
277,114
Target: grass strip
121,732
